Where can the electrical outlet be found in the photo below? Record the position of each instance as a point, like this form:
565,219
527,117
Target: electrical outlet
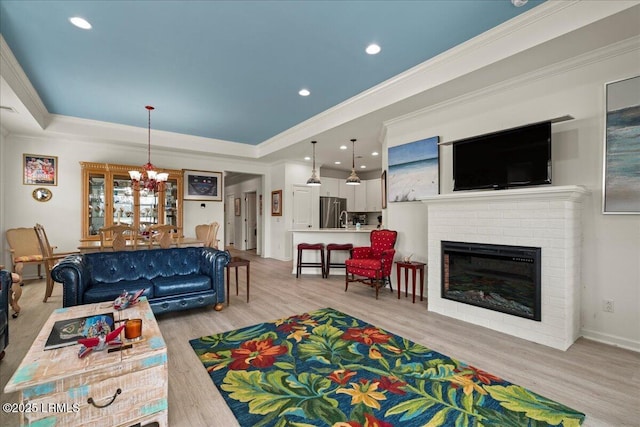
607,305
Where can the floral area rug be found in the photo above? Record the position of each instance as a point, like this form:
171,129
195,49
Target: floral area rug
326,368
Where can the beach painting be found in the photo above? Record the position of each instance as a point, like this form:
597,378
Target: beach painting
622,148
414,170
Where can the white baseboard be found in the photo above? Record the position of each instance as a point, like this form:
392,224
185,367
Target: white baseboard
611,339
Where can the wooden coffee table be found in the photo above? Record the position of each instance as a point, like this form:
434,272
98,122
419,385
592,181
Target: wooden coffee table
119,388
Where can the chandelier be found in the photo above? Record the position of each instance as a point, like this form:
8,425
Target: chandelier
353,178
148,178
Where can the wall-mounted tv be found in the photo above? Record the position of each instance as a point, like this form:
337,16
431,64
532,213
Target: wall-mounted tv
509,158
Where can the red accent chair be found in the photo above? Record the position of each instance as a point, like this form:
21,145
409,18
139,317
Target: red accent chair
373,263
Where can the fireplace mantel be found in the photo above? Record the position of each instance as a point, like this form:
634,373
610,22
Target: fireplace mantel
543,192
546,217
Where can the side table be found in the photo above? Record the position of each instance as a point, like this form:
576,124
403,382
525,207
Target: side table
237,262
413,266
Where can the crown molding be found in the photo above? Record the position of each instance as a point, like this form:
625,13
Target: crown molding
598,55
16,78
538,25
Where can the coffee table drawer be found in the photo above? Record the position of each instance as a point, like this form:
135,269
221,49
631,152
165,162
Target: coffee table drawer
121,400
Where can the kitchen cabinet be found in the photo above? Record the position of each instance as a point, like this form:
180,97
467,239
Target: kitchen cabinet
360,197
330,187
109,199
374,195
347,192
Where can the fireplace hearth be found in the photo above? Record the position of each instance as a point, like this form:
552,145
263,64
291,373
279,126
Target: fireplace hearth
496,277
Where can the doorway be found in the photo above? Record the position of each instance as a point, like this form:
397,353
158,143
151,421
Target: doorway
229,218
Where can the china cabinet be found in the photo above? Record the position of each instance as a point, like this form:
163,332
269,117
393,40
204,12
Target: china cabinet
109,199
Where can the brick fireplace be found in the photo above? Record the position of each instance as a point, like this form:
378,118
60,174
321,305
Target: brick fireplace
545,217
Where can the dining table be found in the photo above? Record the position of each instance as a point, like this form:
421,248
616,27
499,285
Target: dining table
179,242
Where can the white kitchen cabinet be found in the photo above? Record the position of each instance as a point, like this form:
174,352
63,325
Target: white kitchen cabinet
360,197
347,192
330,187
374,195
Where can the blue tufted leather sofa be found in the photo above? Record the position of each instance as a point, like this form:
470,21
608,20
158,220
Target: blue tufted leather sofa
5,289
173,279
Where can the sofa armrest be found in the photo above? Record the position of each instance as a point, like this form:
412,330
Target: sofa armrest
74,275
5,285
213,265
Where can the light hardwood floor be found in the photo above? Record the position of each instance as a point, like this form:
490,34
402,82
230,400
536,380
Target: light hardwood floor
599,380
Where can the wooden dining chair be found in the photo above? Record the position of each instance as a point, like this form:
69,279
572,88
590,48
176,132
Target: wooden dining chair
163,235
49,257
118,238
208,234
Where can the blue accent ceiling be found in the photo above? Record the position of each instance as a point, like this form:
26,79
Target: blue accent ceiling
228,69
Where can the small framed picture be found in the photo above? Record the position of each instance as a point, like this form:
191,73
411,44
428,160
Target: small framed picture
236,206
276,203
40,170
202,185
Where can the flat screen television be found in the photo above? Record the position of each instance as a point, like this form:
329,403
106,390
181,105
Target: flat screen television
505,159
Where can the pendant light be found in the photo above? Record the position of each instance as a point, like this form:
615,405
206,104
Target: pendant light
148,178
353,178
314,181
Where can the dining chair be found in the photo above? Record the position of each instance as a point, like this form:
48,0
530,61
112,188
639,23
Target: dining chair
208,234
24,249
118,238
49,257
163,235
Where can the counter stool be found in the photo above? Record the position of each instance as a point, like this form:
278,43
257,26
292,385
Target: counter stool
335,247
313,247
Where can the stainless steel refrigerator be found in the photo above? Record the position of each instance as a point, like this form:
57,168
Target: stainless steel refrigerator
330,210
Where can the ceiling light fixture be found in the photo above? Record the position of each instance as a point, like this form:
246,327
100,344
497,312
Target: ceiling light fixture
304,92
353,178
314,181
343,147
148,178
375,153
519,3
373,49
80,22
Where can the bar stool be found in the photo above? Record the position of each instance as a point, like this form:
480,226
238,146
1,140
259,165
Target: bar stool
314,247
335,247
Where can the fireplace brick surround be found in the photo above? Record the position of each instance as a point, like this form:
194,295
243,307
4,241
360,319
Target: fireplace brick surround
548,217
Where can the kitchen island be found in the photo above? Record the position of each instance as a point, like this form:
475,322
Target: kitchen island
328,235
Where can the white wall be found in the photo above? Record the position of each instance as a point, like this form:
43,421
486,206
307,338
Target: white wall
611,243
61,216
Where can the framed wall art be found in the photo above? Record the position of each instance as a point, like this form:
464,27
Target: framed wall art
236,206
39,169
414,170
276,203
621,186
202,185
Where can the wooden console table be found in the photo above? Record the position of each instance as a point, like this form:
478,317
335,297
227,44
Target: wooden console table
413,266
118,388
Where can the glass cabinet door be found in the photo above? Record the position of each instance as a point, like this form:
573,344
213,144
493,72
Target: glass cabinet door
123,211
170,211
148,209
96,202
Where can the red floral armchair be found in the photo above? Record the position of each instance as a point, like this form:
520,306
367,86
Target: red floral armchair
372,263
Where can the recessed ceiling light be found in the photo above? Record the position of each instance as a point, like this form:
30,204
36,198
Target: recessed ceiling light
304,92
519,3
80,22
363,166
307,158
373,49
375,153
343,147
337,163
